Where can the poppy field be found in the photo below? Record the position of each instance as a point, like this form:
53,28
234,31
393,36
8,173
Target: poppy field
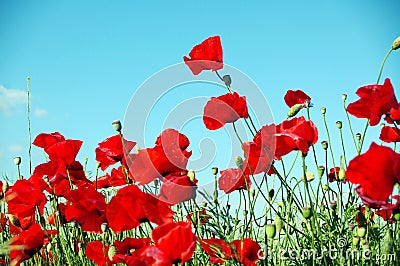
316,208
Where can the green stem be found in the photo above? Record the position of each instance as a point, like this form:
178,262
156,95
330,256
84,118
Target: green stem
29,125
382,65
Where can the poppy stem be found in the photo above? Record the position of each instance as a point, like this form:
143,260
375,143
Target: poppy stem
383,64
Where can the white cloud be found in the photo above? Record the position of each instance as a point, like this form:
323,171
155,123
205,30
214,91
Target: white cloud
14,148
11,98
40,112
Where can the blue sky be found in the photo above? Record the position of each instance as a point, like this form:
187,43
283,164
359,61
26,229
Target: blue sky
87,58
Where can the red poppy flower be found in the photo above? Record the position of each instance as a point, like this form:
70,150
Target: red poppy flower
167,156
98,252
259,153
130,207
112,150
21,205
26,244
375,101
88,208
205,56
59,177
394,114
64,152
218,250
177,189
224,109
246,251
233,179
176,240
117,178
333,174
376,172
389,134
293,97
45,140
150,255
295,134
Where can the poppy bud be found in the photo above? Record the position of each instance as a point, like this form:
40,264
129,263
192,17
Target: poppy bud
344,97
5,187
355,241
278,223
117,125
104,227
342,174
333,205
281,204
307,212
239,162
192,175
227,80
358,136
98,164
323,110
252,192
324,145
271,193
294,110
270,230
17,160
396,216
112,251
396,44
245,212
339,124
325,187
321,170
361,231
14,220
214,170
309,177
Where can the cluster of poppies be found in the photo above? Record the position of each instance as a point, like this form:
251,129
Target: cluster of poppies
79,200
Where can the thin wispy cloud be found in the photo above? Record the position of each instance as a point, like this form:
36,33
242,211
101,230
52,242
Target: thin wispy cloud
11,99
40,112
14,148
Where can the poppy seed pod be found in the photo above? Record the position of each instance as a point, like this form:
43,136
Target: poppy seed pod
324,145
270,230
358,136
333,205
323,110
239,162
104,227
214,170
344,97
117,125
355,241
321,170
278,223
339,124
227,80
307,212
396,44
294,110
361,231
325,187
17,160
